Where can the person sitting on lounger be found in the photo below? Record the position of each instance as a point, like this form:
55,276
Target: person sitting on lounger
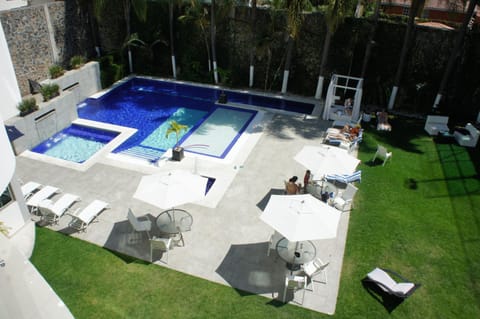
382,121
291,187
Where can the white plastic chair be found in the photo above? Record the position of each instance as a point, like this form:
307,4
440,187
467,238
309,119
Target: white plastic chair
52,212
295,283
316,269
141,224
163,244
272,243
344,200
382,153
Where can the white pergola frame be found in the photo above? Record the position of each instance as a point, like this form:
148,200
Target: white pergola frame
348,84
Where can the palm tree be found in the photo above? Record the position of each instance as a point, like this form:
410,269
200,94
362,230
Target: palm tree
334,16
140,9
176,128
294,23
455,53
415,9
199,15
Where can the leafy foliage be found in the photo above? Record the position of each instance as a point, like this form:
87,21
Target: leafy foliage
27,106
49,91
56,71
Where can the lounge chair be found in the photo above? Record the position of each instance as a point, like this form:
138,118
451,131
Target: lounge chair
38,197
345,178
83,217
29,188
52,212
383,279
467,136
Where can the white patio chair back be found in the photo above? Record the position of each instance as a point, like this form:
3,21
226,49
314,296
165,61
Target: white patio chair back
272,244
162,244
295,283
345,199
382,153
316,270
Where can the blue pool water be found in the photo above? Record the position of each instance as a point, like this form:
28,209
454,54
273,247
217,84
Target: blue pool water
75,143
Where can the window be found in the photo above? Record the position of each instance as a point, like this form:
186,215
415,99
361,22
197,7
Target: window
6,197
406,11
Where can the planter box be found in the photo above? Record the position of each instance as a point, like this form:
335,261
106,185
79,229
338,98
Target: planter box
178,153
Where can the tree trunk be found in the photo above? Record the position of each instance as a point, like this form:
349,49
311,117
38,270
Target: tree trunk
323,64
213,30
288,62
253,22
455,54
405,48
371,39
172,44
126,12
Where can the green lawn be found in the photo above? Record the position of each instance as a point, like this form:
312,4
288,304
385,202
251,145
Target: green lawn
417,215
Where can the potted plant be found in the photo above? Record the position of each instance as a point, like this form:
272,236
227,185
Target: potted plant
49,91
27,106
77,61
177,128
56,71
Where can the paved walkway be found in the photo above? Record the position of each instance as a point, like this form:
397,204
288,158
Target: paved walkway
228,241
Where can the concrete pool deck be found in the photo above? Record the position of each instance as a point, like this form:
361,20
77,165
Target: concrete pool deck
228,241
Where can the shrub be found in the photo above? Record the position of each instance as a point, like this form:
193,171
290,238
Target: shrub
27,106
77,61
56,71
49,91
110,72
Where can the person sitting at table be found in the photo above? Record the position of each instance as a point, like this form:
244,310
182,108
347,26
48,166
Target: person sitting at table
291,187
306,180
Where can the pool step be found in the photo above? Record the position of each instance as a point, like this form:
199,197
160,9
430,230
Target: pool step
143,152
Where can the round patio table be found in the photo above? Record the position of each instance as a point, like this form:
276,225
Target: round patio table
296,253
174,221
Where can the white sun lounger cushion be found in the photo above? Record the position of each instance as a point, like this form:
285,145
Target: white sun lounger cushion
384,278
91,211
29,188
41,195
63,204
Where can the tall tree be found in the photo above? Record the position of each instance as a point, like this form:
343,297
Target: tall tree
140,9
371,38
295,20
455,53
213,35
334,16
415,9
253,42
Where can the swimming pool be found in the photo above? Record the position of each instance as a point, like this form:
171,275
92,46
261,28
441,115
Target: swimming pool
151,105
76,143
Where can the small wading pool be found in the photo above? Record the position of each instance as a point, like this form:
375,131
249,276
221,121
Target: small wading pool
76,143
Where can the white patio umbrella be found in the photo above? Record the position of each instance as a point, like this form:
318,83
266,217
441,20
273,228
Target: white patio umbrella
173,188
301,217
323,159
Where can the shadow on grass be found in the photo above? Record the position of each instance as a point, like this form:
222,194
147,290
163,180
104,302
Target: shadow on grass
388,301
461,167
126,258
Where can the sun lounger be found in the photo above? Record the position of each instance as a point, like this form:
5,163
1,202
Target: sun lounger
383,279
51,212
83,217
43,194
29,188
